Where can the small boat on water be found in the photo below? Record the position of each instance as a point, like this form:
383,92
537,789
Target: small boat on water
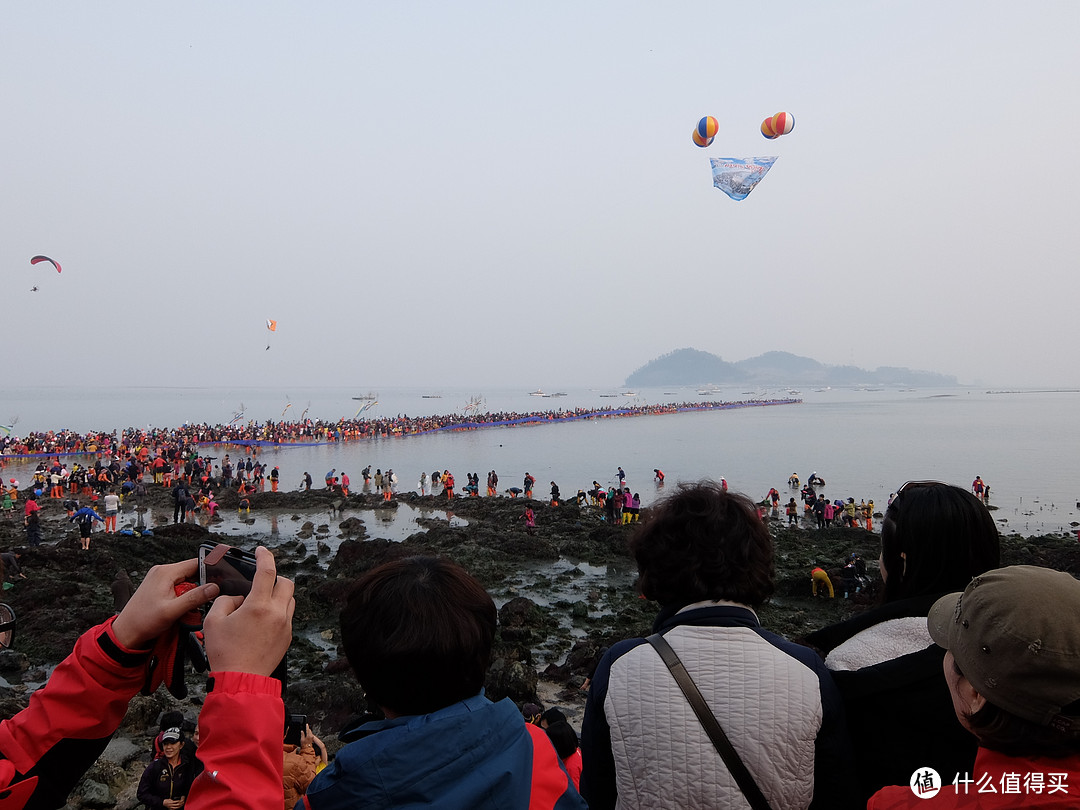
537,393
629,393
368,396
557,394
431,396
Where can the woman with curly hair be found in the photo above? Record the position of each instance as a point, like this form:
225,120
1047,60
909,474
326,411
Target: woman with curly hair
704,554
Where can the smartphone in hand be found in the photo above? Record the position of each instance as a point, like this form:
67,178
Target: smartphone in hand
295,730
232,569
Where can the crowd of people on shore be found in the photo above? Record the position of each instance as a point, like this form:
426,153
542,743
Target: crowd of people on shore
313,431
960,688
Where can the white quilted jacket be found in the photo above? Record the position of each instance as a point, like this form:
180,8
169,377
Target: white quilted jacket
769,703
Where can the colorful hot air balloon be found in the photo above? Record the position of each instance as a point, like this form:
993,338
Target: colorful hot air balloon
783,123
707,128
38,259
699,140
767,129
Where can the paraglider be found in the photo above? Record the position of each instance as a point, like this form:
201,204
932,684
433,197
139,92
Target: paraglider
776,125
737,177
39,259
271,326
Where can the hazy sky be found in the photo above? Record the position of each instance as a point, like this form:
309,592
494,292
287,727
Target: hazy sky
483,193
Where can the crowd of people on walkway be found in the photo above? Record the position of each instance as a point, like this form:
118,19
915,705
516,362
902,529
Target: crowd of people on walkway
317,431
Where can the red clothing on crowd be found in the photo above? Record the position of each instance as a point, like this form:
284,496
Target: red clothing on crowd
74,714
573,768
242,712
998,781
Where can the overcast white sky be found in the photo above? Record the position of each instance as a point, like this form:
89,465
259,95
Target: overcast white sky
482,193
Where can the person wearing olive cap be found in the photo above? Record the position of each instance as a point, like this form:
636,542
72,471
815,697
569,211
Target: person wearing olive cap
1012,664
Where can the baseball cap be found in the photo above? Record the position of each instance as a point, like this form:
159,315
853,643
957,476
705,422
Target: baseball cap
171,735
1014,635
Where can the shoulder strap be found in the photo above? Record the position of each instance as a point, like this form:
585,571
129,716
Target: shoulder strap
709,722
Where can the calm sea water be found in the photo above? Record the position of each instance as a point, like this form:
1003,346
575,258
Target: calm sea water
865,443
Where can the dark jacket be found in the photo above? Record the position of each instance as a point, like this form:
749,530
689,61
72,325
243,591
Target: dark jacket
900,714
160,781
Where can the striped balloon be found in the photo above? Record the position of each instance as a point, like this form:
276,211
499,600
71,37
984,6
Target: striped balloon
699,140
767,129
707,128
783,123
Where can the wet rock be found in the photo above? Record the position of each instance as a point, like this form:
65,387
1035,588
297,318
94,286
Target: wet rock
352,527
508,677
144,711
518,620
122,750
13,661
581,662
95,794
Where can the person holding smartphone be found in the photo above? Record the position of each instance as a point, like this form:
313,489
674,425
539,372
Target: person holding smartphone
167,780
301,763
46,748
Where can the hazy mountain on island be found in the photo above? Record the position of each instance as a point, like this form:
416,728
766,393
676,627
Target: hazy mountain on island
693,367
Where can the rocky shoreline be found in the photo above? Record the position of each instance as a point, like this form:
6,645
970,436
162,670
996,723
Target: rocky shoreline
564,593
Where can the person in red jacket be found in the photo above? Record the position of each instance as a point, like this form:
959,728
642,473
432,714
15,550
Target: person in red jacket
1012,666
46,748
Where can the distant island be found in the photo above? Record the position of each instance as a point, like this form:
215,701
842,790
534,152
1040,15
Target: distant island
694,367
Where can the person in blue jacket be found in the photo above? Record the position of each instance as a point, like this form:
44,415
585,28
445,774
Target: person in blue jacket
85,517
418,633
